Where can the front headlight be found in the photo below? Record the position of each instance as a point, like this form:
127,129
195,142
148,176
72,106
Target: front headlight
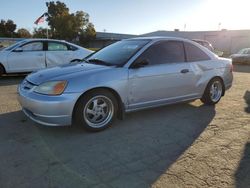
51,88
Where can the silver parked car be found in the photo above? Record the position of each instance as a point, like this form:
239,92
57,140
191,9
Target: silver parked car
35,54
128,75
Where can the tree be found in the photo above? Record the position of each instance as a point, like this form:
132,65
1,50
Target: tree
7,28
23,33
63,24
41,33
87,35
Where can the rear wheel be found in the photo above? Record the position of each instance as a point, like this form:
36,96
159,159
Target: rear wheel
96,110
213,92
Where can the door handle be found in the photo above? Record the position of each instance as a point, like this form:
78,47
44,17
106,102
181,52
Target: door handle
183,71
39,54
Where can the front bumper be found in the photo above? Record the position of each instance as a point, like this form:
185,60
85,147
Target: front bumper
48,110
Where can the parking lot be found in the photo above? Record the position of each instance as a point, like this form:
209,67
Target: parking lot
182,145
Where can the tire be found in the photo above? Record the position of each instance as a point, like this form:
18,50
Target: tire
2,71
95,111
213,92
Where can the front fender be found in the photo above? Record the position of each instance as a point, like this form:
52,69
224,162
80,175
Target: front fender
115,79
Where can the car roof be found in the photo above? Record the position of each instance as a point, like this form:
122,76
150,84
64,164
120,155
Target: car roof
200,40
51,40
43,39
54,40
158,38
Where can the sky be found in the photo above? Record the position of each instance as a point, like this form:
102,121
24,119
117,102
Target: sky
140,16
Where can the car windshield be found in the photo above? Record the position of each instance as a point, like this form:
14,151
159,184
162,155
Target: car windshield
11,47
118,53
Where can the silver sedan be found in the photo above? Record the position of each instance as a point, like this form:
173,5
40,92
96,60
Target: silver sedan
128,75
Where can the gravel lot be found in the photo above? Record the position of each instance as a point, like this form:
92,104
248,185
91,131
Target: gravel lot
183,145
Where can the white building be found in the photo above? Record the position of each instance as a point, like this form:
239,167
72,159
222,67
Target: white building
228,41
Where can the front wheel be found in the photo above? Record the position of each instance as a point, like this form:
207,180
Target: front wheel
213,92
96,110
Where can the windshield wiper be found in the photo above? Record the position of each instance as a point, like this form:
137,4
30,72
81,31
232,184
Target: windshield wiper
99,62
85,60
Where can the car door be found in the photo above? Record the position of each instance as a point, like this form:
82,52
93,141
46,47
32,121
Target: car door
167,77
200,65
27,58
57,53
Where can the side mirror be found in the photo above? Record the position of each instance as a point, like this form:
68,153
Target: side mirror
141,63
18,49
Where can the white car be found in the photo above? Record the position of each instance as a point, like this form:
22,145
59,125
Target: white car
35,54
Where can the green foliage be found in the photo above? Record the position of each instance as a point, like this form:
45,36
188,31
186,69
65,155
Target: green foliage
87,35
23,33
7,28
41,33
66,25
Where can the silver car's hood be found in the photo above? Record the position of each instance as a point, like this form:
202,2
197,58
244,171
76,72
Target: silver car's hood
65,71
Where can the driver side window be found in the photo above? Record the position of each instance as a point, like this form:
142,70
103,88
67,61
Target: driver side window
33,46
164,52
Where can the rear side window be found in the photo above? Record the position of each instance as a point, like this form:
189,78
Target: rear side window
164,52
56,46
194,53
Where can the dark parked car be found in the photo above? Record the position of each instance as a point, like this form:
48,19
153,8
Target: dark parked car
242,57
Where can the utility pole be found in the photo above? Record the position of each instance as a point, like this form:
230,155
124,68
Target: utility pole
46,14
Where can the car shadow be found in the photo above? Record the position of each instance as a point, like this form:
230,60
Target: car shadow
134,152
241,68
247,99
7,80
242,175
